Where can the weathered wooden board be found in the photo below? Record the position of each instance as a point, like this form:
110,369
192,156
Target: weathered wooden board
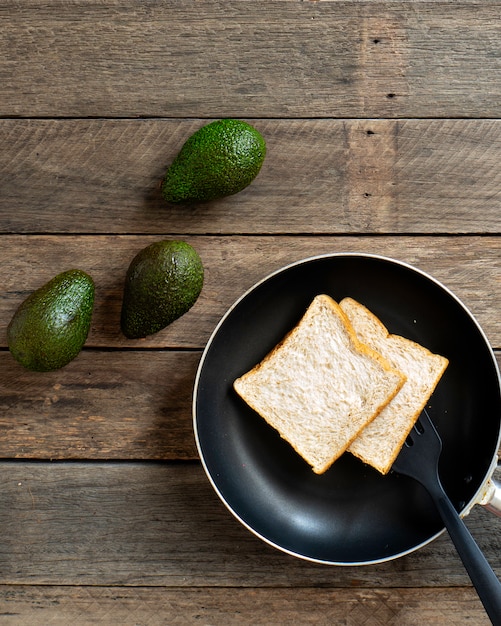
319,176
157,606
383,126
162,524
103,405
468,266
253,59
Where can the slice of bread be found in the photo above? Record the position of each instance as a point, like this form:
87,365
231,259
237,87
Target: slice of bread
320,386
380,442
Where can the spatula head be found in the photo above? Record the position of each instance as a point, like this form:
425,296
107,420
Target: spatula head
421,451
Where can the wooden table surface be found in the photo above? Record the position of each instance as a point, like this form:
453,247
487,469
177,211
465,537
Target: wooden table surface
383,127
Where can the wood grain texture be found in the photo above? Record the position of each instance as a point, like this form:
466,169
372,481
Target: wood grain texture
383,126
103,405
469,266
161,524
336,59
319,176
129,606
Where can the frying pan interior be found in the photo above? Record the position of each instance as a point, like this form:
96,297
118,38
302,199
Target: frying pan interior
351,514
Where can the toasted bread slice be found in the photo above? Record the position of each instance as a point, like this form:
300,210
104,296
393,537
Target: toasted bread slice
380,442
320,386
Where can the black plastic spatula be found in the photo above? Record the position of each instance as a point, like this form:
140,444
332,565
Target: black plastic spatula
419,460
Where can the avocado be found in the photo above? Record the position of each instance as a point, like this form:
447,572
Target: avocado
218,160
50,327
162,283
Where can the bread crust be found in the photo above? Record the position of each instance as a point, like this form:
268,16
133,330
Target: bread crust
255,384
381,441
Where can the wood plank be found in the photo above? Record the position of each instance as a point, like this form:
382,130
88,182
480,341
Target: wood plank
129,606
469,266
295,59
103,405
162,524
319,176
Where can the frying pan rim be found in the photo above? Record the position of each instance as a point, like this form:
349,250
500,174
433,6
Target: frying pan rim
476,498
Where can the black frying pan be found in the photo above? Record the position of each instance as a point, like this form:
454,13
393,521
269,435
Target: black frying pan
351,514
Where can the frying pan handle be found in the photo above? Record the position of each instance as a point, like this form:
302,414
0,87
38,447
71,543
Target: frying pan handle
492,500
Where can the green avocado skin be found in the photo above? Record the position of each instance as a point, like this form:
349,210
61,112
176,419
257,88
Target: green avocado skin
162,283
218,160
50,327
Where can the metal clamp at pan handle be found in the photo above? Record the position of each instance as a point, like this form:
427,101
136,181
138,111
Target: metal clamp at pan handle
492,497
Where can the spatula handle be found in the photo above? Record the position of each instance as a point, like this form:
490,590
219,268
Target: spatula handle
482,576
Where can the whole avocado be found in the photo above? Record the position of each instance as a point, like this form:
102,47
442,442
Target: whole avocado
218,160
162,283
50,327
